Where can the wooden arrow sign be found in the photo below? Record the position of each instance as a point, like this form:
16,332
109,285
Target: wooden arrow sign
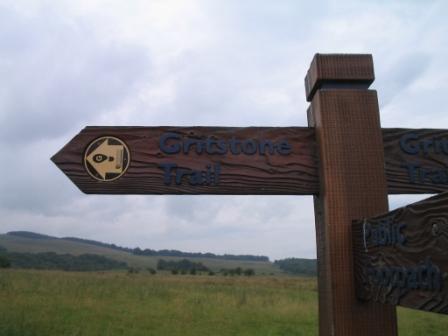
401,257
230,160
191,160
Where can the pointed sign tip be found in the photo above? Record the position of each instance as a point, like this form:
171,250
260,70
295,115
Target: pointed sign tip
56,157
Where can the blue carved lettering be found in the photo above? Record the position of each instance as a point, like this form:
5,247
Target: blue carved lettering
412,170
424,276
249,147
167,167
284,148
268,144
406,145
169,149
234,146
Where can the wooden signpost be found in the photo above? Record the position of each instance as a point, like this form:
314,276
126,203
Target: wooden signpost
401,257
343,158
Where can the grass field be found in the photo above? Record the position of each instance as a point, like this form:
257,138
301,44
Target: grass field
61,303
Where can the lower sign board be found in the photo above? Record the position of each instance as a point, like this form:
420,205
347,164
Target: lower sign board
401,257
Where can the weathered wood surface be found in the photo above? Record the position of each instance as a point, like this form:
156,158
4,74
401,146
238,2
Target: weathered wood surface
401,257
352,184
339,70
293,173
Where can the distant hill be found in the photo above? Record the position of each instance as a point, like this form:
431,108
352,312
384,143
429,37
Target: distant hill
32,235
170,253
33,243
30,242
144,252
96,243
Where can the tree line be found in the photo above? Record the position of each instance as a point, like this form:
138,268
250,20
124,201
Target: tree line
176,253
64,262
186,266
94,262
298,266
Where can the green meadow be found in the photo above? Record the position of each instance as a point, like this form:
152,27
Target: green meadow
117,303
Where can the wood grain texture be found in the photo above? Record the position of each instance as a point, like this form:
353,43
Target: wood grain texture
351,70
322,252
425,228
352,184
295,173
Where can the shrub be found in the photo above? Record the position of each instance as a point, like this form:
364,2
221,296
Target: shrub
180,265
133,270
249,272
4,262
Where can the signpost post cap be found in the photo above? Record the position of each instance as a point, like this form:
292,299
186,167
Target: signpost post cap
339,71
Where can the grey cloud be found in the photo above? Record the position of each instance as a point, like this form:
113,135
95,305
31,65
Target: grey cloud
400,74
58,74
62,70
240,95
30,182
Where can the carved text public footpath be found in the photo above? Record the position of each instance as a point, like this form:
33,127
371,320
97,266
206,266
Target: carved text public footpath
425,275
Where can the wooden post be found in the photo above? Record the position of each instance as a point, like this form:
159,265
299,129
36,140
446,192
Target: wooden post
345,115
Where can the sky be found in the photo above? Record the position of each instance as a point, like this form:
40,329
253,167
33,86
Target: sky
68,64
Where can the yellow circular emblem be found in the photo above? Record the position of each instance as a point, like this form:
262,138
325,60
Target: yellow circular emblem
107,158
